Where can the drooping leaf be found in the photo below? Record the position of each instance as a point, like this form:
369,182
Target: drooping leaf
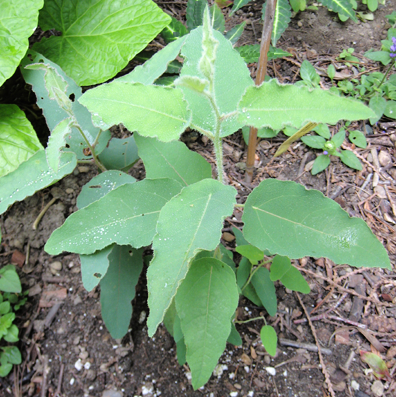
33,175
18,20
54,114
18,138
172,160
269,338
289,220
205,301
194,13
343,7
314,141
338,138
190,222
275,105
309,74
226,95
100,185
252,253
281,19
152,111
9,280
126,216
234,338
155,66
99,37
117,288
265,290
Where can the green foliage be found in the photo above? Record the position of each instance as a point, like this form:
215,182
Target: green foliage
281,19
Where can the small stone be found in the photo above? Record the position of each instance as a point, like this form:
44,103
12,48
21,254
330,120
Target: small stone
355,385
78,365
237,386
75,270
69,190
300,24
228,237
112,393
147,389
77,300
380,190
384,158
55,267
83,169
76,340
83,355
91,374
377,388
219,369
271,370
35,290
87,365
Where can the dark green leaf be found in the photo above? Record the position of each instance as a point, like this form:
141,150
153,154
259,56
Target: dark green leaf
349,158
358,138
265,290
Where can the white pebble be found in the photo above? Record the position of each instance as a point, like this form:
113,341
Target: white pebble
72,380
78,365
233,394
355,385
271,370
246,368
251,393
147,390
219,369
87,365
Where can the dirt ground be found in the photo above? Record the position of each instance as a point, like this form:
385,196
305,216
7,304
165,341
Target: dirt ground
66,348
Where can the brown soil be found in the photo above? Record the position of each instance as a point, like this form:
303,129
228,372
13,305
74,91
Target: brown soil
140,366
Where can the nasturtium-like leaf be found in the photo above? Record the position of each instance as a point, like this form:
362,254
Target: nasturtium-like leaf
188,223
18,138
281,19
172,160
31,176
275,105
155,66
152,111
292,221
99,37
18,20
117,288
226,95
269,338
343,7
9,280
126,216
289,276
265,290
94,267
54,113
205,301
102,184
252,253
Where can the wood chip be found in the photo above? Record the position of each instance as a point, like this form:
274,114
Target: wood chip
18,258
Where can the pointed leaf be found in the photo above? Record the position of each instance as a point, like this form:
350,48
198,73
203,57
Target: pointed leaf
243,273
99,37
343,7
269,338
12,334
18,20
18,138
152,111
358,138
194,14
206,300
289,220
338,138
281,19
190,222
235,33
275,105
265,290
320,164
238,4
31,176
314,141
127,216
9,280
349,158
252,253
172,160
117,288
234,338
217,18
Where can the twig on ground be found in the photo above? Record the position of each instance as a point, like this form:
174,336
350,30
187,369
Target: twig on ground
41,214
44,382
299,345
51,314
59,387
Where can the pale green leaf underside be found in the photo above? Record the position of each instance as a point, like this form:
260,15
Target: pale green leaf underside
189,223
117,288
18,140
172,160
206,300
287,219
274,105
18,20
31,176
99,37
152,111
126,216
343,7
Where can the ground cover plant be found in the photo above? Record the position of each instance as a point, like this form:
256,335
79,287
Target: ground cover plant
193,284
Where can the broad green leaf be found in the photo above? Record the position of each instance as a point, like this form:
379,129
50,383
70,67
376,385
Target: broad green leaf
173,31
314,141
331,72
12,334
205,301
18,20
18,140
190,222
9,280
320,164
152,111
358,138
289,220
243,272
372,5
343,7
275,105
390,110
338,138
261,133
94,267
239,238
5,323
323,130
100,185
308,73
155,66
289,276
126,216
349,158
235,33
5,368
31,176
120,154
99,37
298,5
117,288
265,290
378,105
252,253
226,95
238,4
54,114
172,160
5,306
57,141
281,19
194,13
269,338
379,56
12,354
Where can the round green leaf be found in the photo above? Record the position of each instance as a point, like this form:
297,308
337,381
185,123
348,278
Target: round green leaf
269,338
358,138
390,110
